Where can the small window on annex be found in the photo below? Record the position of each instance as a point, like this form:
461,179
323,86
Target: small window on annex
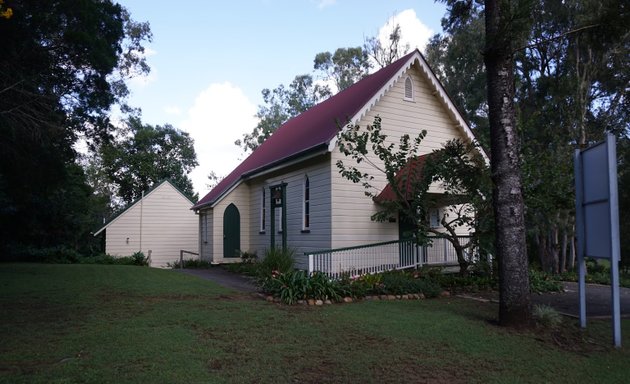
306,205
434,217
408,88
263,211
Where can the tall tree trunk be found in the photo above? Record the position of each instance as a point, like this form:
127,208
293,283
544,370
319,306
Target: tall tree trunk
555,250
514,300
541,242
563,251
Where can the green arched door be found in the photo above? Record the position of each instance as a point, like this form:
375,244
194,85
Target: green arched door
231,232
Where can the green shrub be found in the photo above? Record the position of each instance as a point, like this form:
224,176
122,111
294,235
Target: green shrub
402,282
428,287
248,266
249,257
597,278
298,285
54,255
546,316
139,259
99,259
190,264
540,282
358,286
289,287
322,287
470,283
135,259
395,283
276,259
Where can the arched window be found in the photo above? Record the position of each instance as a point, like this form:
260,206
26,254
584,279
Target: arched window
408,88
306,205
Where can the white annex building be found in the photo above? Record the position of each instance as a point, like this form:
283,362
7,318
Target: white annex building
160,224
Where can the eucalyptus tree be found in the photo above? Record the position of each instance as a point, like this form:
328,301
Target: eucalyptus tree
344,67
281,104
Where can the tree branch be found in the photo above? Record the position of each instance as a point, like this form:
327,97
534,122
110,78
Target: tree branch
556,37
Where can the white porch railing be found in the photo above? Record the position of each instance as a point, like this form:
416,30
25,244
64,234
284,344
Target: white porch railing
381,257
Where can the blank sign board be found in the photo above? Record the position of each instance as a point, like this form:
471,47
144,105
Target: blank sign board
597,220
595,173
595,200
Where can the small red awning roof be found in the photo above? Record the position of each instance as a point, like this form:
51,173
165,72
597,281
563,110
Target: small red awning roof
406,178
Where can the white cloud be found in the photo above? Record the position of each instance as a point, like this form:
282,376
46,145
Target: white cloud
220,115
173,110
413,31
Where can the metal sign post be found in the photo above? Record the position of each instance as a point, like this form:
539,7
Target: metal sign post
597,220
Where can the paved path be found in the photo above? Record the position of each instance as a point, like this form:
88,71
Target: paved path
598,300
224,278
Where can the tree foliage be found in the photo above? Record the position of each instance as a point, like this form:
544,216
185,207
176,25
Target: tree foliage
146,155
62,67
281,104
384,55
345,67
456,58
571,76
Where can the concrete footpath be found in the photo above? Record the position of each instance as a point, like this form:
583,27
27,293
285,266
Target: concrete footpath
224,278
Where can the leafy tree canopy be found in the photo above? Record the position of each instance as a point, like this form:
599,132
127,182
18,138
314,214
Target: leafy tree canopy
146,155
63,66
281,104
345,67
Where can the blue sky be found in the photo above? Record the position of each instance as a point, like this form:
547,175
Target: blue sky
211,59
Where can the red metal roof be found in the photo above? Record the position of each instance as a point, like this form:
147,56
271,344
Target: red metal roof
406,177
310,130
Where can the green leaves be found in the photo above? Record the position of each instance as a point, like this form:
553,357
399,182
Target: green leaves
281,104
466,201
345,67
148,155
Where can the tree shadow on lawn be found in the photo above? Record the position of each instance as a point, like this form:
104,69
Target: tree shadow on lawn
567,336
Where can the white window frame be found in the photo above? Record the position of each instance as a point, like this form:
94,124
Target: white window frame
410,80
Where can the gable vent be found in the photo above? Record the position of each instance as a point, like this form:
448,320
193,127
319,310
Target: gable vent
408,89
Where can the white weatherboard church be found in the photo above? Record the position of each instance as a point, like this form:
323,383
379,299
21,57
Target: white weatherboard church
289,190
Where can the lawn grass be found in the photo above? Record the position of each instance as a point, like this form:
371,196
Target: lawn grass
125,324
